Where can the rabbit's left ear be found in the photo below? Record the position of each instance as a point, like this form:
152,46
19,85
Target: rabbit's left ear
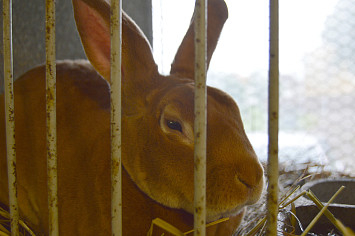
93,22
183,63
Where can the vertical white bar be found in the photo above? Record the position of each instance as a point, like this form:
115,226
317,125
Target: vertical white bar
10,116
51,119
116,174
200,118
273,168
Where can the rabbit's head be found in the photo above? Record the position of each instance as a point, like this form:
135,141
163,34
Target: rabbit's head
158,117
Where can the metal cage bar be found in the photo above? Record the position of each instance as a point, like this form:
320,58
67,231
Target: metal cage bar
200,119
10,116
116,130
272,167
51,119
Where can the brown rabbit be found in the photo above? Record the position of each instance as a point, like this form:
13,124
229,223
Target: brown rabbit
158,144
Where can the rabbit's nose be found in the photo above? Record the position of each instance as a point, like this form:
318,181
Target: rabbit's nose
250,173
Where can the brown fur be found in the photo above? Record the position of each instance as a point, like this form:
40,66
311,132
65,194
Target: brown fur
157,160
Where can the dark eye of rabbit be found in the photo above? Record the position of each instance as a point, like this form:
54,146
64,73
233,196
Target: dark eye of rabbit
174,125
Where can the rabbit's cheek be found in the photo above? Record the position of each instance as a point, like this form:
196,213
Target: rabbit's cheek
157,172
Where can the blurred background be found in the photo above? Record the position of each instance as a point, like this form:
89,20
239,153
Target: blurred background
317,72
28,27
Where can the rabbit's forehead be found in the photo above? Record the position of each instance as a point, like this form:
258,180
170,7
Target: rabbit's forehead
180,93
179,101
177,111
220,99
221,108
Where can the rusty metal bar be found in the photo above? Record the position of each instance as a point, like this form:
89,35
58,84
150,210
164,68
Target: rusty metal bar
200,118
116,170
273,167
10,116
51,119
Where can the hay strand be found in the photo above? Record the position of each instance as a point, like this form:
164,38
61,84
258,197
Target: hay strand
209,224
290,177
345,230
175,231
321,212
6,218
165,226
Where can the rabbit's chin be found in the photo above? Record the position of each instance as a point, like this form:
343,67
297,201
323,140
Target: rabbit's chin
213,215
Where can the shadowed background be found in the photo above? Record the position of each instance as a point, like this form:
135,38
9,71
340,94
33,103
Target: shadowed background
29,32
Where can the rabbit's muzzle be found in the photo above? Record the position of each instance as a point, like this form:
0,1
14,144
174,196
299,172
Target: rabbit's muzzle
231,187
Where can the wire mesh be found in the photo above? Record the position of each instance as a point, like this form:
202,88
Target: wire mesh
316,85
329,88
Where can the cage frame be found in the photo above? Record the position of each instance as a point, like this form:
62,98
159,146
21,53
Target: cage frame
199,126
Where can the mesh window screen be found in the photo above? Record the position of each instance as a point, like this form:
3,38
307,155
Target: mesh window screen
317,74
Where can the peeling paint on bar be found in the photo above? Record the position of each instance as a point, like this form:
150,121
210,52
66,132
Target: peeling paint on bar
10,116
273,168
116,174
51,119
200,118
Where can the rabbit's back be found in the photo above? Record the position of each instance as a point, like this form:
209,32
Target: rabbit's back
83,134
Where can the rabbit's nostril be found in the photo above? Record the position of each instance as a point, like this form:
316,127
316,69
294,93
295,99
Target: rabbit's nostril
240,180
249,173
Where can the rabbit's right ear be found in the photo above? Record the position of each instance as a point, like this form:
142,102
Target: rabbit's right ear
183,63
93,22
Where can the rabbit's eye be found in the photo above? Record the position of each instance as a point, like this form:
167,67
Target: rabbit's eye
174,125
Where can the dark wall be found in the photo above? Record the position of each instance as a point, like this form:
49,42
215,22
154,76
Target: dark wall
29,32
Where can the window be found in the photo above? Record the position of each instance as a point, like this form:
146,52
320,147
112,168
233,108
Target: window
317,72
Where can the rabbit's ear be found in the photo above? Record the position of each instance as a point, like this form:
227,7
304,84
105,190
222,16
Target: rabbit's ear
183,63
93,22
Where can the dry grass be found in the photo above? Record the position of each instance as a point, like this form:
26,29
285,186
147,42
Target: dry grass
5,225
173,230
290,181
